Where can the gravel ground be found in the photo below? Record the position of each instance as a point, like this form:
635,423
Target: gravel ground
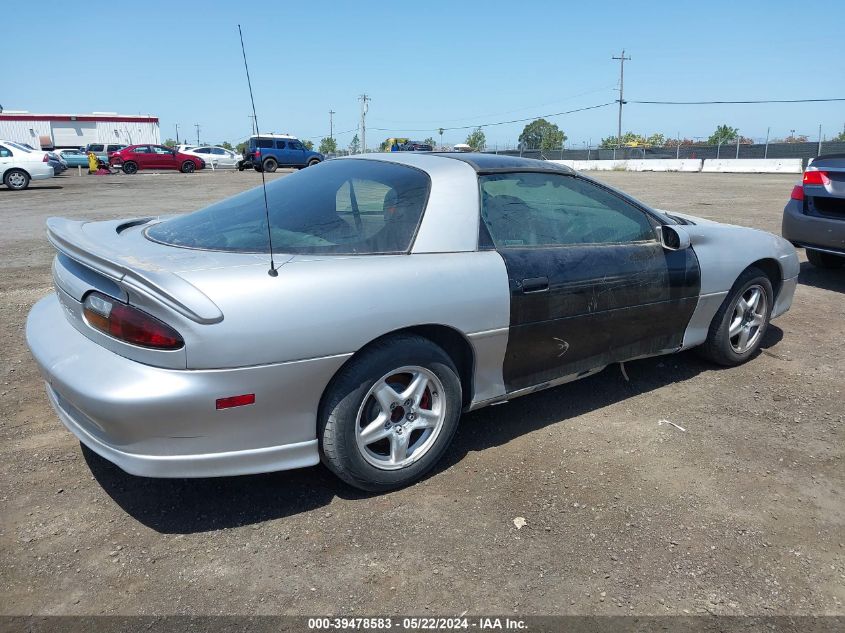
740,513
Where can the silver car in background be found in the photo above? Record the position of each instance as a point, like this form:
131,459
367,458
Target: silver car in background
405,289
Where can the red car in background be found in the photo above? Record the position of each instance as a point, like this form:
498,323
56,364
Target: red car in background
136,157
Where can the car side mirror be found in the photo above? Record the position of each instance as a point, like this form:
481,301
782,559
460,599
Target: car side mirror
674,237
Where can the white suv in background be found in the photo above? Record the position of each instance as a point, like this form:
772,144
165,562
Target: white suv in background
19,165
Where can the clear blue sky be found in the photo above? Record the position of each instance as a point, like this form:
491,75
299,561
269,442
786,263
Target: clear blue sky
428,64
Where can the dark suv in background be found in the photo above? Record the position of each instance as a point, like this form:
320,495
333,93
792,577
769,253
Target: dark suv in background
268,152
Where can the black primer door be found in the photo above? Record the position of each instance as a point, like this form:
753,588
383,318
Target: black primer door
590,283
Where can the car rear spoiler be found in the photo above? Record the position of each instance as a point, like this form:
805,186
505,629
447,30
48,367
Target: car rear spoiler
133,274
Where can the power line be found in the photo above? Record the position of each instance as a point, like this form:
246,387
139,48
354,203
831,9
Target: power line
472,127
736,102
495,114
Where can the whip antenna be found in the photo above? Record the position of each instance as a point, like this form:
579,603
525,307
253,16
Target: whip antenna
273,272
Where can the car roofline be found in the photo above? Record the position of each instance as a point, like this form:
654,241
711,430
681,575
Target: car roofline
490,166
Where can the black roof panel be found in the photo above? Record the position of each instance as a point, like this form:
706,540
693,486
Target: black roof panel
496,162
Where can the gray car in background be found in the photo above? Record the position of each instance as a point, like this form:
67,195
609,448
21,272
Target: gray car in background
814,217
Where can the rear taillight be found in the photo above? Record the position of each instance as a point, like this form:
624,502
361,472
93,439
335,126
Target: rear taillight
128,324
816,178
45,159
797,193
258,153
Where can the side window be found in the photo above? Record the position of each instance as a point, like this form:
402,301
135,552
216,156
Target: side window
265,143
545,209
295,145
202,150
114,148
5,152
280,145
142,149
217,151
95,148
376,211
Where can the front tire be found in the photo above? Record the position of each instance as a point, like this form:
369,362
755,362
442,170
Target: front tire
738,328
270,165
820,259
389,415
16,179
130,168
188,167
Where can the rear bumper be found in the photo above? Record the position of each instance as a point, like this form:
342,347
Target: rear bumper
159,422
258,460
809,231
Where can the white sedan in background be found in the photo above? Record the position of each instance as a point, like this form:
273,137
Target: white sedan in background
19,165
216,157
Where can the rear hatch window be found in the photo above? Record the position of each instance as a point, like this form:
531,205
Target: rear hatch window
348,207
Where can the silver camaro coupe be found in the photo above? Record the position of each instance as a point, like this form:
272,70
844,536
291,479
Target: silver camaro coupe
407,288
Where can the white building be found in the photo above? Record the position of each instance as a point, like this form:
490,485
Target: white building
75,130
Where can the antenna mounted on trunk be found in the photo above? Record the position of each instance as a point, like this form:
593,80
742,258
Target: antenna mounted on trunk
273,272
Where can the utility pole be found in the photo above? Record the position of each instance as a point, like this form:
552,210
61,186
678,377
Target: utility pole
766,151
364,107
252,124
197,125
738,136
331,123
819,152
177,134
621,99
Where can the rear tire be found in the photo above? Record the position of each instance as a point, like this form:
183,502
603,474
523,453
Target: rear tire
16,179
313,162
188,167
403,441
270,165
820,259
741,322
130,168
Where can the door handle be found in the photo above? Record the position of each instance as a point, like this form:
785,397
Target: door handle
535,284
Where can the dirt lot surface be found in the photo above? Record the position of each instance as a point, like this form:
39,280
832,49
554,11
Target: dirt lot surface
740,513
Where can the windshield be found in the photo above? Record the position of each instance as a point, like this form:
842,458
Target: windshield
336,207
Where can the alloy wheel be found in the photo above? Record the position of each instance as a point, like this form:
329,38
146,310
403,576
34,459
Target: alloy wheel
749,317
400,418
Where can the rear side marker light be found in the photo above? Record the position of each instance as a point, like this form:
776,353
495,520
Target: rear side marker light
129,324
797,193
235,401
816,178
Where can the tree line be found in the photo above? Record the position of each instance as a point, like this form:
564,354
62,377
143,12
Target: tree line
546,136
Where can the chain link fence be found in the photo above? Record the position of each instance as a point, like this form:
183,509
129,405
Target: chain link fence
805,151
